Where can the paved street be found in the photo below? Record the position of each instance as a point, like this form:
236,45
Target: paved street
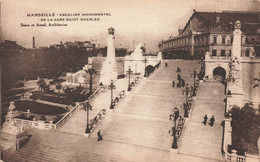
137,130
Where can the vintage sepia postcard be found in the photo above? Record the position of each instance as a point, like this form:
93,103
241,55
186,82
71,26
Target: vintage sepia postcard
132,80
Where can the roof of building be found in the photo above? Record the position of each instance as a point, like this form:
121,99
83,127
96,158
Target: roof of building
249,20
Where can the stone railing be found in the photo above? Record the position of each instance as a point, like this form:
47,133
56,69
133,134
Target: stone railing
180,127
219,57
119,97
74,109
22,122
93,96
250,59
34,124
66,117
97,119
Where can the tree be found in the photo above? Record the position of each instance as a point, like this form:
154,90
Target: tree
41,83
245,129
58,86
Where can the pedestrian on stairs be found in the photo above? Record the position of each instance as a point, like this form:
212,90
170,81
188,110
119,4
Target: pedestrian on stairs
173,84
99,136
183,82
205,119
212,120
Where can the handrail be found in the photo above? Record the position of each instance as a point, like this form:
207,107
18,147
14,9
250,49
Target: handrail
98,117
68,115
119,96
180,127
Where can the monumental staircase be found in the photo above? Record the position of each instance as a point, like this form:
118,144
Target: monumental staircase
54,149
198,139
78,122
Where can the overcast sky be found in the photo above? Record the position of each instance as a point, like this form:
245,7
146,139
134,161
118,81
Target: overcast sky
145,21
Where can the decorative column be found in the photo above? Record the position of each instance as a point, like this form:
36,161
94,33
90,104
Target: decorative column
234,85
109,67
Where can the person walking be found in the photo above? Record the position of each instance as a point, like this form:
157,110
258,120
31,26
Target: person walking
173,84
183,83
178,77
99,136
166,64
212,120
205,119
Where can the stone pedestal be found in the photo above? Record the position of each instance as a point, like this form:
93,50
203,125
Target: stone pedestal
11,136
13,141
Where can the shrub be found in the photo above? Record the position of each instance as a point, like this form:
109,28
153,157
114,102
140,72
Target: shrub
245,129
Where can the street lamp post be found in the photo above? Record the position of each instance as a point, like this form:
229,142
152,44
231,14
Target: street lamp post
129,73
194,75
200,62
186,92
91,72
135,69
87,107
123,70
145,61
201,72
174,129
111,87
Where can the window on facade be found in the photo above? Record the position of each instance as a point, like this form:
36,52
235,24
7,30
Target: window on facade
214,39
223,40
231,39
223,53
252,41
214,52
247,52
247,40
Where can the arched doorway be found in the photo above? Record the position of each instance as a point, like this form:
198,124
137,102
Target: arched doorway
219,73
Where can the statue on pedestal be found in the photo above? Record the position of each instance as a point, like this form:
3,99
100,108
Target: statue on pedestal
235,73
9,124
11,106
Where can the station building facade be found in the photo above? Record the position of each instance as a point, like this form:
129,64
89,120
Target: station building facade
213,32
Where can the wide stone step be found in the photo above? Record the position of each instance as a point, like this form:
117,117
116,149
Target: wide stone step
201,149
42,152
140,142
205,154
92,157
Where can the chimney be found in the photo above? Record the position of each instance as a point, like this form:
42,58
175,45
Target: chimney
180,31
33,43
217,21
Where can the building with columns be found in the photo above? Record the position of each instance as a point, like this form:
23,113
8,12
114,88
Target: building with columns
213,32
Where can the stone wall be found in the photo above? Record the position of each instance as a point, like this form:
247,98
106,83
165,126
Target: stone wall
249,72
